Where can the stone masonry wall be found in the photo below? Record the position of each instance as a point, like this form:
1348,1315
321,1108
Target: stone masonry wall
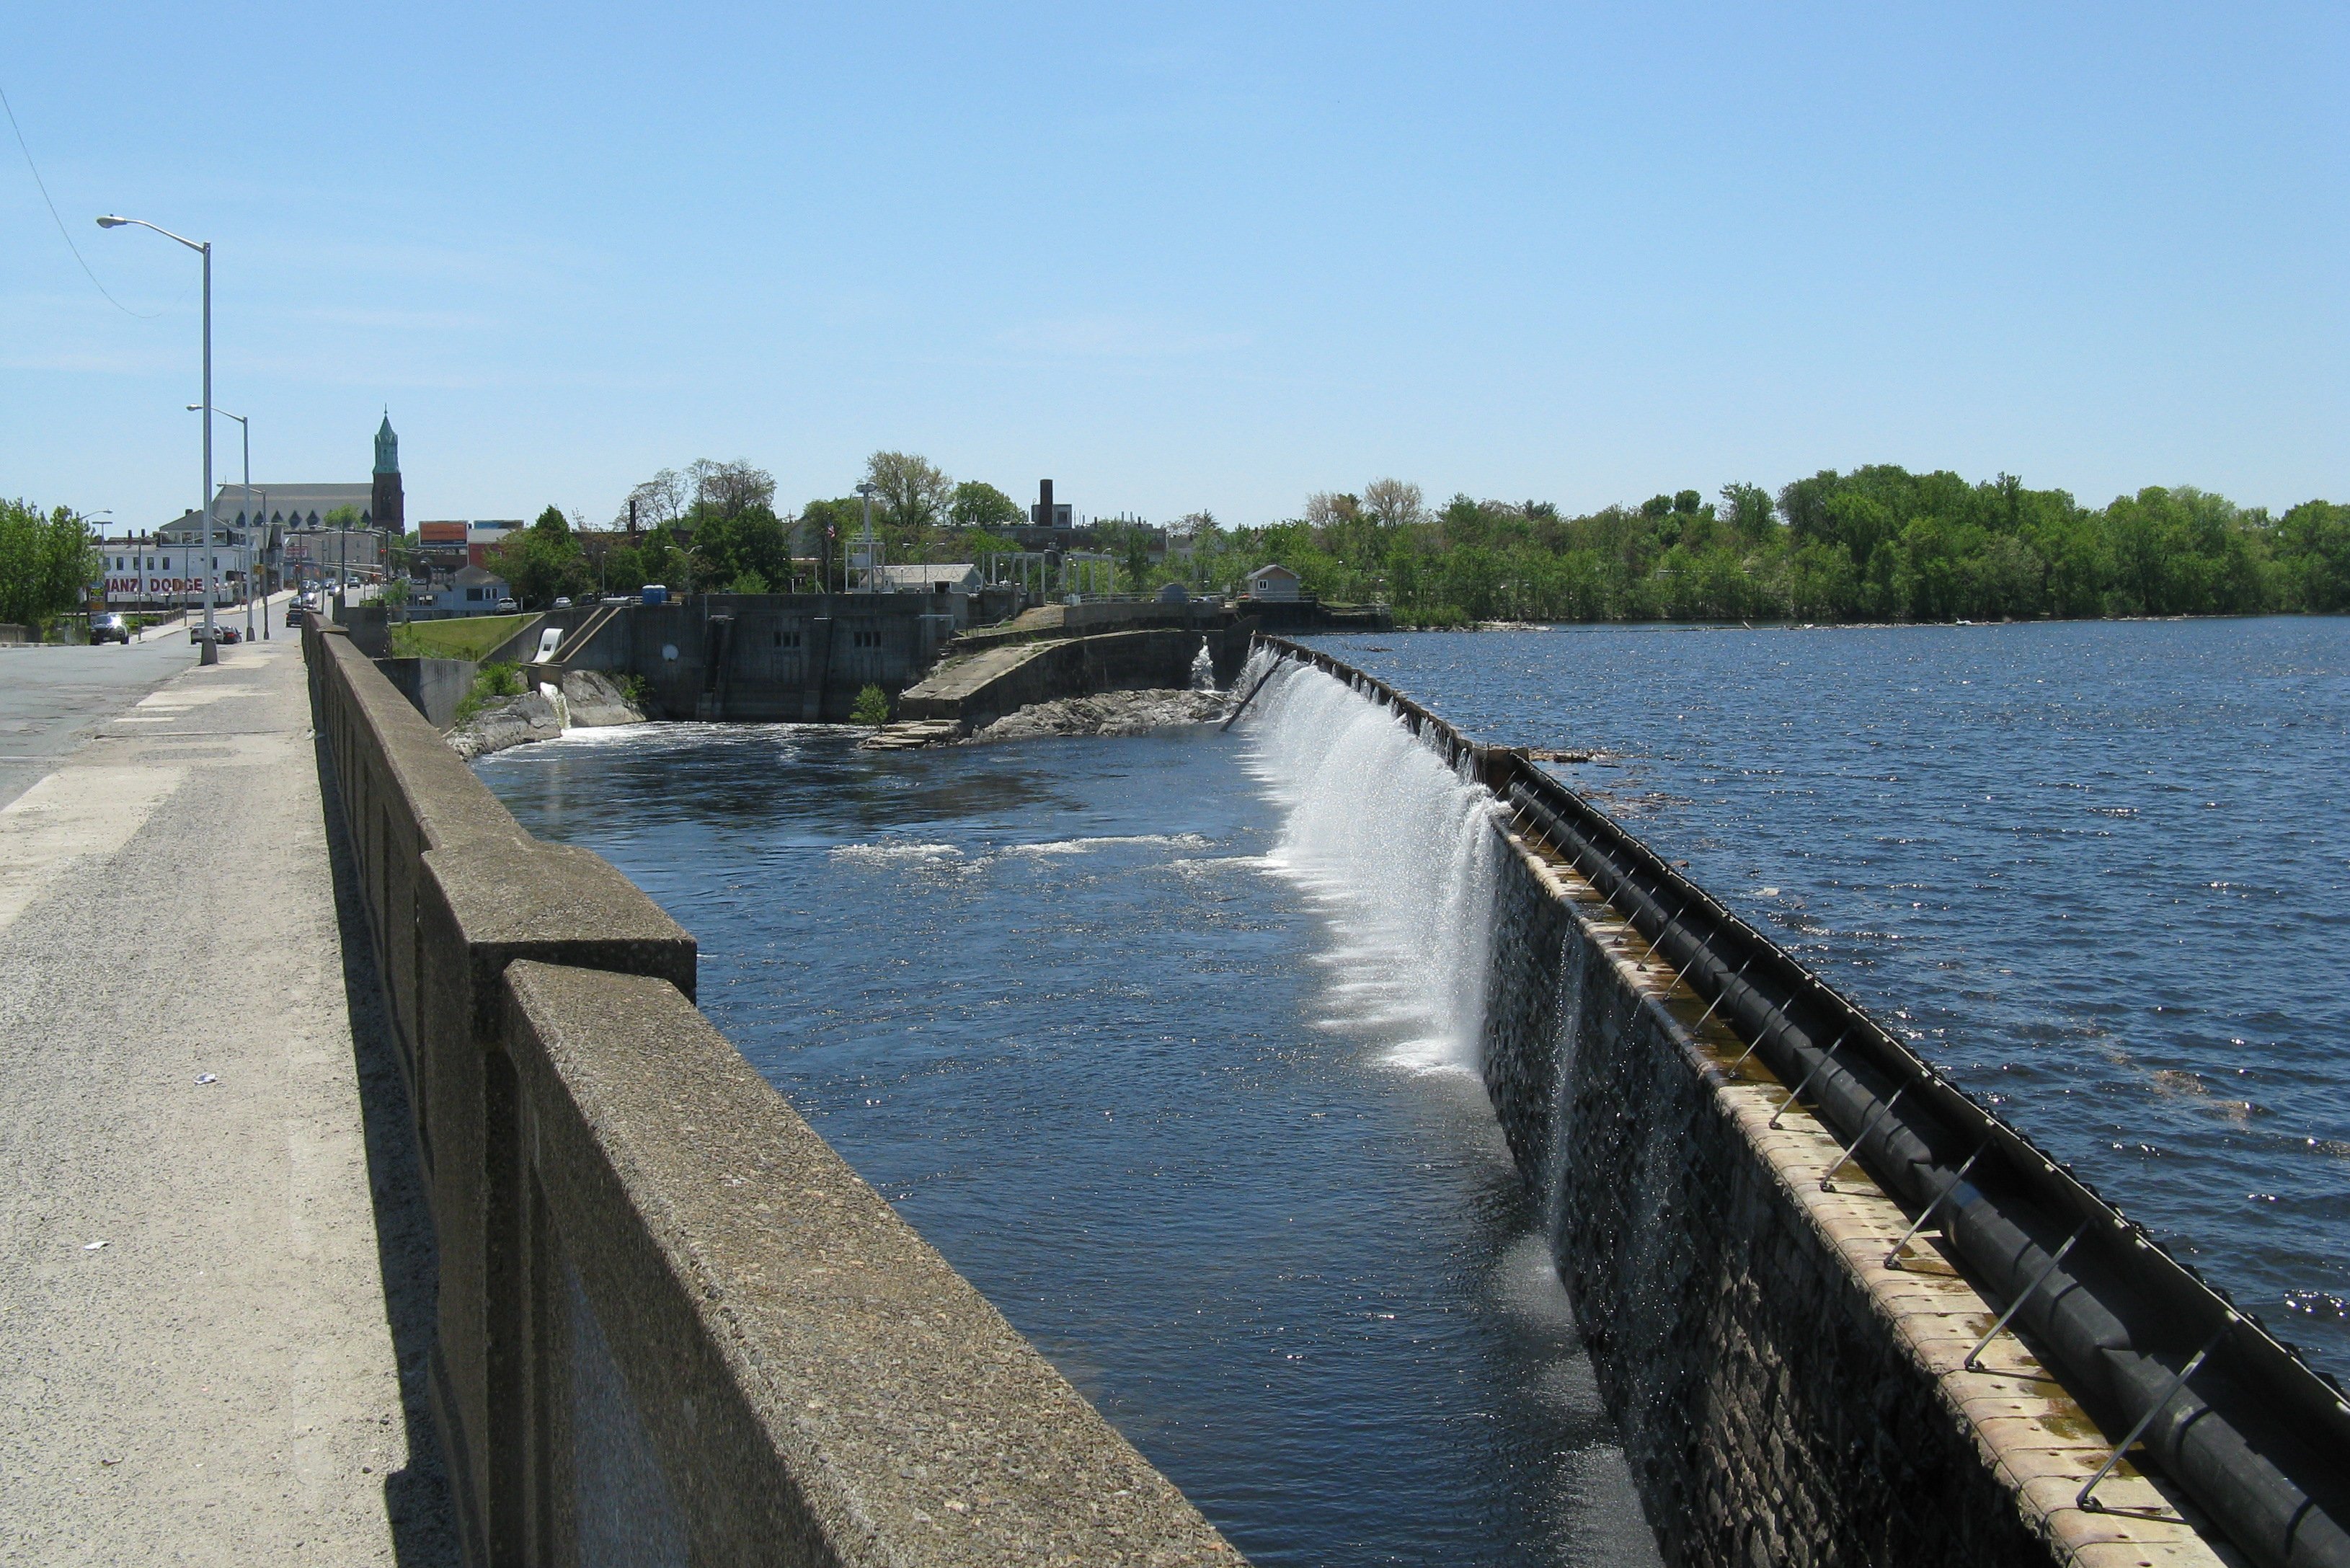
1771,1411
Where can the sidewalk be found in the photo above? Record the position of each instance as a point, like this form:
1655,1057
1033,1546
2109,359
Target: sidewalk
235,1375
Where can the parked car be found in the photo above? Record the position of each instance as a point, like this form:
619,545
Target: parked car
505,606
221,632
563,601
108,628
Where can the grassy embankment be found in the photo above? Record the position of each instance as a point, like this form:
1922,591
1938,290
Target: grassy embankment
471,637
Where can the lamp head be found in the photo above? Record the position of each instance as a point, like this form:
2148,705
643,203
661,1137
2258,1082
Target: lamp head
111,223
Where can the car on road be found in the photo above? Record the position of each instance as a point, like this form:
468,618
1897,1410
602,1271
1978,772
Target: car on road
563,601
221,632
505,606
108,628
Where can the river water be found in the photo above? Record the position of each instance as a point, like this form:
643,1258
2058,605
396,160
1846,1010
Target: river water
2099,872
1119,1026
1166,1042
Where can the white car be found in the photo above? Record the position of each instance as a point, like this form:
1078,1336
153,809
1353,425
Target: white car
563,601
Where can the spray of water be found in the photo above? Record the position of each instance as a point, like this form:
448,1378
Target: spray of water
1401,852
1203,670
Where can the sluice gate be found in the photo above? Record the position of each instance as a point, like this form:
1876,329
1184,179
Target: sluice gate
1742,1171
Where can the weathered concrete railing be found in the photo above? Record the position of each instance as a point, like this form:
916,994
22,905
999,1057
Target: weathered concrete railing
1740,1166
673,1325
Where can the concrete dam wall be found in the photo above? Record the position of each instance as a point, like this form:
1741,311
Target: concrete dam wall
1840,1312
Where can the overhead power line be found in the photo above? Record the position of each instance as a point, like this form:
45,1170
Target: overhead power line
62,232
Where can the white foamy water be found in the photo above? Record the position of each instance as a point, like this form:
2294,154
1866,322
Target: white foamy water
1398,849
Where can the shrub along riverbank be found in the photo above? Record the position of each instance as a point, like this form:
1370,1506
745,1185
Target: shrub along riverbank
1877,544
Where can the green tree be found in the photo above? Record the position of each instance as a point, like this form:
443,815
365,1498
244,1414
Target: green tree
910,498
751,545
2312,547
979,504
1750,511
46,562
543,561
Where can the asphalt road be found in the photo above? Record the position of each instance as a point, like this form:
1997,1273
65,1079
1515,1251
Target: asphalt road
54,699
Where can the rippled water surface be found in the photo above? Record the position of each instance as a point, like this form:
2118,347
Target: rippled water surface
2100,872
1154,1077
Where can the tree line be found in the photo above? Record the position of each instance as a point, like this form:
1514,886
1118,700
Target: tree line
714,527
1878,544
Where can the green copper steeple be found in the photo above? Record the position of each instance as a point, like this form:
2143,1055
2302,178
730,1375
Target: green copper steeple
386,447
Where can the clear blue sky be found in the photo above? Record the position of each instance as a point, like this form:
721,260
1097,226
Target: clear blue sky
1183,256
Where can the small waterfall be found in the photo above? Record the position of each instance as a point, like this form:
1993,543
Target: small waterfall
1400,849
1203,670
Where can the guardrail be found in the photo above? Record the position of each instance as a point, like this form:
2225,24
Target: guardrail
674,1324
2256,1437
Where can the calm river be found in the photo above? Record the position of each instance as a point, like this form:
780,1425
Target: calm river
2098,871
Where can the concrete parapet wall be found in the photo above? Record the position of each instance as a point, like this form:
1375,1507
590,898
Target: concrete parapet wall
673,1326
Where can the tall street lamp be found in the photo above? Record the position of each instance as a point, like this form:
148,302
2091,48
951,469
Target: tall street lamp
210,654
866,489
244,436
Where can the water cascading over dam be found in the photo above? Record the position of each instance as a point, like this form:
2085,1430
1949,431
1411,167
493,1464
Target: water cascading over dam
1839,1312
1399,848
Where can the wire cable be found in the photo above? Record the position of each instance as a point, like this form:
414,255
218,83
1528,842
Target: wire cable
62,233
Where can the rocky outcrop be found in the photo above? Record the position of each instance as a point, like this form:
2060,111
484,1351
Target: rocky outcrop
509,722
1107,713
595,699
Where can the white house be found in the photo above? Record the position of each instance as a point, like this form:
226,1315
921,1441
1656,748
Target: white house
1272,582
470,591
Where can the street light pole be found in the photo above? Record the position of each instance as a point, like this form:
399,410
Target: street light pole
245,437
211,653
866,489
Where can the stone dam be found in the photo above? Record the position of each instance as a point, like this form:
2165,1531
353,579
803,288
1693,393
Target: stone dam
1840,1312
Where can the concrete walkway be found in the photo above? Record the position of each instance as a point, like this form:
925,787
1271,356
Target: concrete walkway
215,1273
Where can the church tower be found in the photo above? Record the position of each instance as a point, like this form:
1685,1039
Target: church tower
391,509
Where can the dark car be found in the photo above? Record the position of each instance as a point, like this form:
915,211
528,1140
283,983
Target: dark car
108,628
221,632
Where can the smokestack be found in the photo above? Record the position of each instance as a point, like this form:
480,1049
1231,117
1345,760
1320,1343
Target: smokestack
1043,503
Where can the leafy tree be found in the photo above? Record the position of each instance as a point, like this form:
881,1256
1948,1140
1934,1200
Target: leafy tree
730,489
910,497
979,504
543,561
872,707
46,562
2313,553
1750,511
749,543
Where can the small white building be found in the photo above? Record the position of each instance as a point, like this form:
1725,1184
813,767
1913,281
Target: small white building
1274,581
961,578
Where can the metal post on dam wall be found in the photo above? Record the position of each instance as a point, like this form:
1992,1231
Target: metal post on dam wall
1841,1311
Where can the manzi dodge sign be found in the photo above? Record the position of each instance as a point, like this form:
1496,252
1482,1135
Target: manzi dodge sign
152,587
